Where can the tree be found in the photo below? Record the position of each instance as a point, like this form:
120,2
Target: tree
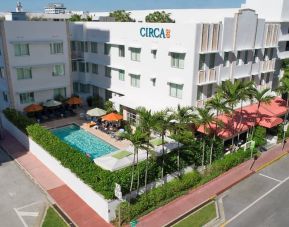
161,125
284,88
145,122
217,103
137,138
76,17
159,17
261,97
108,106
182,117
121,16
206,119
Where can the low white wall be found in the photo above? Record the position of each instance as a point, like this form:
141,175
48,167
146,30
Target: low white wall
19,135
105,208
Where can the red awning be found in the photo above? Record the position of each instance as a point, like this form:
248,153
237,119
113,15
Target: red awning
266,116
270,122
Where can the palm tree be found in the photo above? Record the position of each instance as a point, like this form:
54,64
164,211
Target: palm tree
261,97
137,138
145,122
161,125
205,118
219,104
183,116
284,88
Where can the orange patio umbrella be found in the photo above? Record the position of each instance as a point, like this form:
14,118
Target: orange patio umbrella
33,108
112,117
74,101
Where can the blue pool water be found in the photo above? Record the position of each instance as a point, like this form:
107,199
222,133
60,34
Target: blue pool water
83,141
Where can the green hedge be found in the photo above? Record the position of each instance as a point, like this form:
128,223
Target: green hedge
100,180
18,119
157,197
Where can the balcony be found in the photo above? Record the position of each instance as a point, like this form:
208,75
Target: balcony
207,77
268,66
201,103
77,55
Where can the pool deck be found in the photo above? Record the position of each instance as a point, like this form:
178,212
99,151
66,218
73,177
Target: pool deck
122,144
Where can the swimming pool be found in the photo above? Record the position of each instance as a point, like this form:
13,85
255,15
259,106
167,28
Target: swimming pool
83,141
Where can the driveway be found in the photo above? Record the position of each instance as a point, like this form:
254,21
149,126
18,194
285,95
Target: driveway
260,200
22,202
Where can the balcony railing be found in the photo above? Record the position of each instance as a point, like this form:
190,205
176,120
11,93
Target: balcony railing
268,66
207,76
77,55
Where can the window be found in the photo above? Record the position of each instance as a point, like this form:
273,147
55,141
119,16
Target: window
95,91
75,87
107,71
177,60
21,49
256,54
73,45
81,67
209,90
24,73
121,74
58,70
86,44
5,96
74,66
176,90
59,92
1,72
239,60
246,56
226,59
287,46
131,118
135,80
94,47
200,93
94,68
154,53
87,69
26,97
84,88
212,61
107,48
108,94
56,48
81,47
135,54
202,62
121,51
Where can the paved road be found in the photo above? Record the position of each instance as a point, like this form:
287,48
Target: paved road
22,203
260,200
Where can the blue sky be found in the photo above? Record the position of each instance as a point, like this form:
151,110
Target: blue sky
108,5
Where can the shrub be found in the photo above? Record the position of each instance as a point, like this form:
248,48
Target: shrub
18,119
159,196
259,136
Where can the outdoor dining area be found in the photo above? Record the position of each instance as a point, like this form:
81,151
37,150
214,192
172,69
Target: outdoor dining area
52,109
110,123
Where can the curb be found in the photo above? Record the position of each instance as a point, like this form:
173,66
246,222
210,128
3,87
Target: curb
271,162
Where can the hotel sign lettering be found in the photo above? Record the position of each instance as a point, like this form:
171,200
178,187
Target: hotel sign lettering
155,33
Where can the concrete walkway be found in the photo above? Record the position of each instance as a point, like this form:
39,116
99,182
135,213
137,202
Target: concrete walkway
70,203
182,205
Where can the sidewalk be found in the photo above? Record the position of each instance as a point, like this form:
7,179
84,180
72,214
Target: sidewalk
69,202
181,205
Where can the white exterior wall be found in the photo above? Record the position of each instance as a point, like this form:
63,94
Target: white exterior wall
148,67
40,59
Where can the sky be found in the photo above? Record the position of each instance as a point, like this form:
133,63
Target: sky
108,5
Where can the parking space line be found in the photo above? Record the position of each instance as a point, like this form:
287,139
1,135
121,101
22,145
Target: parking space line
256,201
272,178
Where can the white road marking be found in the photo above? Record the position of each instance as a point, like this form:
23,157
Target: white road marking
272,178
256,201
22,214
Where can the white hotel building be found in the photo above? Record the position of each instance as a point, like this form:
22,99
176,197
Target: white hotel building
145,64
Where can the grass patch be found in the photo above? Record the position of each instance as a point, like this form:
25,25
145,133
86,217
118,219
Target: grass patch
157,142
52,219
121,154
199,218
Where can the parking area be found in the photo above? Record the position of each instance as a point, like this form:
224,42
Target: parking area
22,203
260,200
